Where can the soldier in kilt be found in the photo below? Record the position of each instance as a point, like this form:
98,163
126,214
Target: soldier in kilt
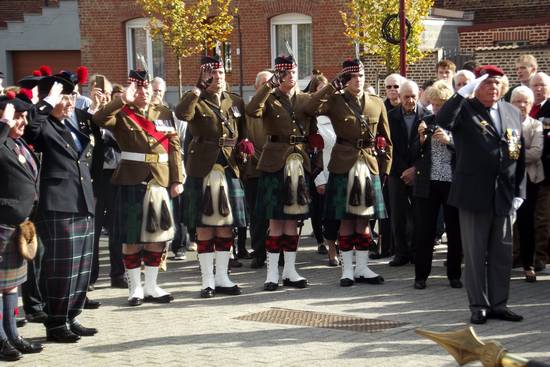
354,188
213,196
283,187
148,175
65,212
19,169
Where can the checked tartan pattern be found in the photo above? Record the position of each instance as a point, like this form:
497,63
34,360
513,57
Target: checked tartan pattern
13,268
336,198
68,243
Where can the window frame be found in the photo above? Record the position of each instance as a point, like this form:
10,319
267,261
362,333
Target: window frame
140,23
292,19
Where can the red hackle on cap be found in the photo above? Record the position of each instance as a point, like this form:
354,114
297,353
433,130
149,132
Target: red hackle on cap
10,94
26,92
82,74
45,70
246,147
36,73
316,141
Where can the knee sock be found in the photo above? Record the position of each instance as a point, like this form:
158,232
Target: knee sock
132,261
364,242
204,246
223,244
151,258
290,243
272,244
9,321
346,243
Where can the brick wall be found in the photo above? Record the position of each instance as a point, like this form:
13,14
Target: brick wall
506,59
497,11
13,10
104,39
474,37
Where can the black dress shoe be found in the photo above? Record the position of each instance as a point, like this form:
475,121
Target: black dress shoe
257,263
244,254
207,293
399,261
505,314
234,263
333,262
21,322
167,298
8,351
119,282
134,301
322,249
346,282
62,335
83,331
296,284
91,304
270,287
232,291
455,283
374,280
478,317
26,347
419,284
37,317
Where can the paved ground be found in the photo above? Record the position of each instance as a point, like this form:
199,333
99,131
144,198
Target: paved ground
196,332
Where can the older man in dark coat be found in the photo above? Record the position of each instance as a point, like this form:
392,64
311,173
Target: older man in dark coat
488,187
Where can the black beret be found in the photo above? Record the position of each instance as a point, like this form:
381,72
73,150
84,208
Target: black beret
212,62
140,77
284,63
19,104
46,83
352,66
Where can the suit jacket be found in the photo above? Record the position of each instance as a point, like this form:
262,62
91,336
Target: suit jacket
349,129
206,128
65,180
268,105
544,116
132,138
534,142
19,186
403,144
486,177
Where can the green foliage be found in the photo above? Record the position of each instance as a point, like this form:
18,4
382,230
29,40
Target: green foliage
363,22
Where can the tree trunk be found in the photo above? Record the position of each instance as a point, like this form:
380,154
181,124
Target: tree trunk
180,86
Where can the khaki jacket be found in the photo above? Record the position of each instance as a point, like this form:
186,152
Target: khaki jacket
268,105
534,142
206,129
132,138
349,128
254,131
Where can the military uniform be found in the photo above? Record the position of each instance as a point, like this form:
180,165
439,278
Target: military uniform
213,195
354,189
283,181
150,164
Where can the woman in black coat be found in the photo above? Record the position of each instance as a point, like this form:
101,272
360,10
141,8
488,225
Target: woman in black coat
434,156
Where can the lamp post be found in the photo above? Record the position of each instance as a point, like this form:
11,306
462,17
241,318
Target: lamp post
403,36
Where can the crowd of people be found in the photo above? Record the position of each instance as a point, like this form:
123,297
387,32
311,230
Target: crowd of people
462,155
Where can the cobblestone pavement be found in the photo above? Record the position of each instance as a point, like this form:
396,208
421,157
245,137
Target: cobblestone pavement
205,332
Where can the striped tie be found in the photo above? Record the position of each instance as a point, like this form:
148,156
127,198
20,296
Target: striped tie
20,149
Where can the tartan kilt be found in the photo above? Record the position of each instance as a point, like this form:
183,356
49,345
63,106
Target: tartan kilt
68,251
13,268
192,201
336,198
269,199
128,213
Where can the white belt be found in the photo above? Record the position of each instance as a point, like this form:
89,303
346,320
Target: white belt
141,157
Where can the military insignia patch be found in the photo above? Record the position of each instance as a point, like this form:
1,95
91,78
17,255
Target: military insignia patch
514,144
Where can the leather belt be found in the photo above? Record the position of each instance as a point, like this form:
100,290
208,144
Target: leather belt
359,143
221,142
290,139
142,157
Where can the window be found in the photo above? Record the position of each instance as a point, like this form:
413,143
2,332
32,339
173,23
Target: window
295,29
511,43
140,42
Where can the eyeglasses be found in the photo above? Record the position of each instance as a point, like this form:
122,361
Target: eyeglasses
392,86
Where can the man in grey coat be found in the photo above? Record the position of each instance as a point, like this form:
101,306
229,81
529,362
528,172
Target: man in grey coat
488,187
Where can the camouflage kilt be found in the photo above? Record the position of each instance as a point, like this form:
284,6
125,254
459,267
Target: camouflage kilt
336,198
68,243
13,268
192,201
269,200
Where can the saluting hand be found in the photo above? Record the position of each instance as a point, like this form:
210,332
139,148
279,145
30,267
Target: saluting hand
129,94
276,78
54,96
205,79
467,90
7,116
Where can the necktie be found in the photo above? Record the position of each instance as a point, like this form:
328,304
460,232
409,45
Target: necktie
74,135
21,150
534,111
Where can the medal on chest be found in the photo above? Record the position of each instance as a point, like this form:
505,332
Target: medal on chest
514,145
235,111
21,158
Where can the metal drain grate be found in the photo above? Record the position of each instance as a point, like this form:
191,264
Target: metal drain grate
321,320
